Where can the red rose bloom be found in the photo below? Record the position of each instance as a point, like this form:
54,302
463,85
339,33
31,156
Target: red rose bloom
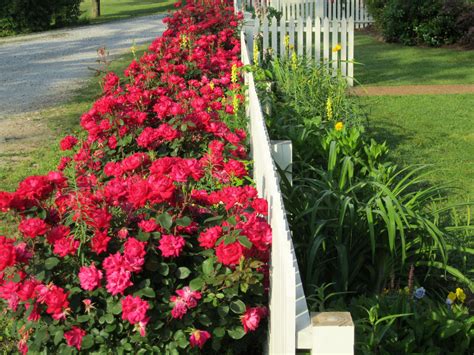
33,227
74,337
7,253
68,142
229,254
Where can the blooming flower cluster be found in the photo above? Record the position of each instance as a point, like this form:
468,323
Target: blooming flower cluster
148,233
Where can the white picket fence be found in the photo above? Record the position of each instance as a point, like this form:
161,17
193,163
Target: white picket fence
313,38
289,317
332,9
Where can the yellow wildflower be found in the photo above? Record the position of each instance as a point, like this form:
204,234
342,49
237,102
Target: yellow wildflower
233,74
183,41
329,108
211,85
337,48
294,60
133,48
256,53
235,104
287,41
452,296
339,126
460,294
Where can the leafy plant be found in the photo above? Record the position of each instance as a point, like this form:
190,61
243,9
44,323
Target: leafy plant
356,217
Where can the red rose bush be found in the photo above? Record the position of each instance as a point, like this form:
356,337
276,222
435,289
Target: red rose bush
149,237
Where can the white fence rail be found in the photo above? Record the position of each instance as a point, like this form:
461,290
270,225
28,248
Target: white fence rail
289,314
314,38
332,9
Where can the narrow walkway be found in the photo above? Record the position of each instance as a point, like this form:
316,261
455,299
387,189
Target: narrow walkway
412,90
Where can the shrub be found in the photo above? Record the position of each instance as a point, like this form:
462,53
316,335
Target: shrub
431,22
149,235
27,15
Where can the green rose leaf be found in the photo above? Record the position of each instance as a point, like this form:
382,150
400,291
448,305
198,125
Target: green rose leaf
146,292
50,263
183,222
109,318
196,284
182,272
163,269
245,241
58,337
165,220
208,266
238,307
236,332
87,342
219,332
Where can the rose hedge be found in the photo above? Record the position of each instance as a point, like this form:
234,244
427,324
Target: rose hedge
149,237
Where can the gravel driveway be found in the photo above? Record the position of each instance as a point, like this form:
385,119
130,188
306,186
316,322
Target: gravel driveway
38,70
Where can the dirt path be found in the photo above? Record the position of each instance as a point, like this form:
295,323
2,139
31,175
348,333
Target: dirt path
38,71
412,90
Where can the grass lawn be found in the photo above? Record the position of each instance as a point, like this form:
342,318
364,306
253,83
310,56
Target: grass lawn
123,9
395,64
429,129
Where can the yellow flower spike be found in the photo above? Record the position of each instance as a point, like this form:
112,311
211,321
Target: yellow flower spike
287,42
211,85
235,104
233,74
133,49
183,41
452,296
337,48
329,112
339,126
294,60
256,53
460,294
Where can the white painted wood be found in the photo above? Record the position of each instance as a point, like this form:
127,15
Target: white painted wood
335,42
291,30
344,44
266,37
333,333
326,44
282,38
309,37
317,36
350,54
300,31
274,31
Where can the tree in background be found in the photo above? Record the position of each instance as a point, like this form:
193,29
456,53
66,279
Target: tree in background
95,8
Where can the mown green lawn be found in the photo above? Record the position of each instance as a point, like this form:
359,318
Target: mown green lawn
395,64
429,129
422,129
123,9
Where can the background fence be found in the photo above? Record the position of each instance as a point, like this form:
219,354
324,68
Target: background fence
314,38
332,9
289,324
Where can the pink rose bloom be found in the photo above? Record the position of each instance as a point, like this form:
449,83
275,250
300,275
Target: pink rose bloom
134,254
199,338
148,226
179,308
134,309
74,337
90,277
251,318
65,246
209,237
171,246
189,296
118,281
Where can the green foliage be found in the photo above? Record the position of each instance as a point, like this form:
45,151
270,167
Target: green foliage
357,218
398,323
27,15
431,22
